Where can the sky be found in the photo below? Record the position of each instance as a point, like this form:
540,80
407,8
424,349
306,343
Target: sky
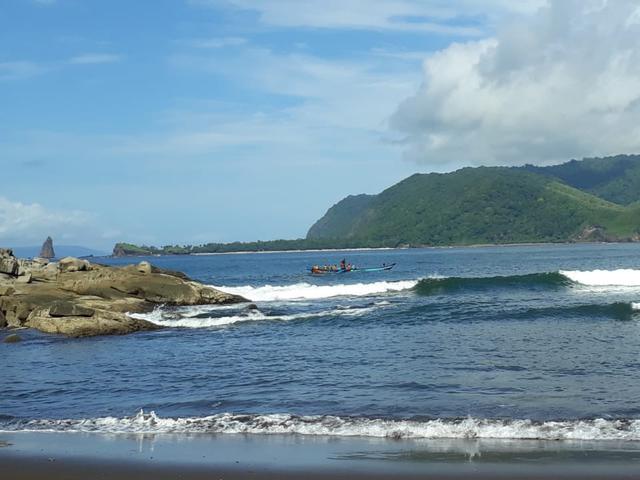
193,121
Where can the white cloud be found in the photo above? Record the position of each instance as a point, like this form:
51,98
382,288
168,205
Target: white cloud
24,222
221,42
439,16
19,70
94,58
562,83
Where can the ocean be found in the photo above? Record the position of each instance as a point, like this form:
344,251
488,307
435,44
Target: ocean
512,343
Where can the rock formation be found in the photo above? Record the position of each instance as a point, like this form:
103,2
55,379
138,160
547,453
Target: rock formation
47,249
77,298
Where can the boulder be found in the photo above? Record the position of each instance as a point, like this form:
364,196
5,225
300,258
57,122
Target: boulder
103,322
8,263
63,308
24,278
72,264
13,338
3,321
114,283
144,267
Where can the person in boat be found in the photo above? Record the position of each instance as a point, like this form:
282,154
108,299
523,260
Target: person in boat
343,264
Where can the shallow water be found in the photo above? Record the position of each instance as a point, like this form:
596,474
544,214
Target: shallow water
495,342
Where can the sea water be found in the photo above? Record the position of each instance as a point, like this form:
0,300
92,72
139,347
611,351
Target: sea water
504,343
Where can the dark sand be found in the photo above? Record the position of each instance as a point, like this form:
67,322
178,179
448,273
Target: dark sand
72,456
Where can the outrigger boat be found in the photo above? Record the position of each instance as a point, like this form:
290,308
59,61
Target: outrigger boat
328,269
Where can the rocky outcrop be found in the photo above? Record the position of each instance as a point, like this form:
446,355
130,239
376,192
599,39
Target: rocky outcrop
102,322
77,298
8,263
47,249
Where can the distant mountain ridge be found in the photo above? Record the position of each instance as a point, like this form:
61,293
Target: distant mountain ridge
592,199
595,199
616,179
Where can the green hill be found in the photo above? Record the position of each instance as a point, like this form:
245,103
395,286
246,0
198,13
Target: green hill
616,179
480,205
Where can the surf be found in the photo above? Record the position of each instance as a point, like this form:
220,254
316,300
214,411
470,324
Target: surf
308,291
444,285
436,285
598,429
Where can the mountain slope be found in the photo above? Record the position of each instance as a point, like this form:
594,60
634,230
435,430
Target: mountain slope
478,205
616,179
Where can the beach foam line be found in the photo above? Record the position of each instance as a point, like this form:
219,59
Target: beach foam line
604,278
308,291
463,428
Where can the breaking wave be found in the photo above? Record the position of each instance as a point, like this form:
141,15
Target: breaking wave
207,319
150,423
308,291
547,280
441,285
604,278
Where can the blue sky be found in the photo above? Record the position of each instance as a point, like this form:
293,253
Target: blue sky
191,121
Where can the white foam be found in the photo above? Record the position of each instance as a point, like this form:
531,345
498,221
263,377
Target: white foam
596,429
635,306
307,291
189,321
604,278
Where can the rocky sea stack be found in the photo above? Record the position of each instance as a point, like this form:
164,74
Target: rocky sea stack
47,249
77,298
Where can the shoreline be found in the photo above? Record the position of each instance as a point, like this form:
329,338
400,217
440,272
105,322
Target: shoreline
29,455
365,249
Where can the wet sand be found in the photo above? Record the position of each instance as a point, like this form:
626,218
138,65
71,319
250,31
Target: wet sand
70,456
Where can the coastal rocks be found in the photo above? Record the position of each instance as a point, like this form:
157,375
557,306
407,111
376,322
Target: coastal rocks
114,283
72,264
47,249
592,233
13,338
8,263
144,267
69,309
77,298
25,278
101,322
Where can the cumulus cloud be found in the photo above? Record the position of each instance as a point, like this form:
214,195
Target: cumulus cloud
23,222
562,83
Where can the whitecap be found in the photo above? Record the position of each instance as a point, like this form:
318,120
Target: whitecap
307,291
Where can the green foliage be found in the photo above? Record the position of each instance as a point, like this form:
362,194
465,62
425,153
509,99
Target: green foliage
481,205
616,179
593,199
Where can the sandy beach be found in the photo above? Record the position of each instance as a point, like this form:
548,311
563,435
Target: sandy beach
78,456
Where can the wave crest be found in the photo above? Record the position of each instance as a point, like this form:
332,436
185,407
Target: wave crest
308,291
442,285
150,423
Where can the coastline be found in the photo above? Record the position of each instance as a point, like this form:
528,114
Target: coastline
366,249
31,455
